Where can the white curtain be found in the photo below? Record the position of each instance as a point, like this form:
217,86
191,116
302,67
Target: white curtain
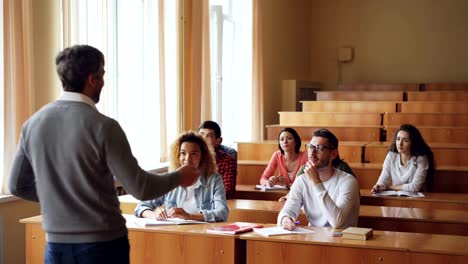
138,40
18,101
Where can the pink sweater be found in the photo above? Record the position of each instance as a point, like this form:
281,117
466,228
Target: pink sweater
278,162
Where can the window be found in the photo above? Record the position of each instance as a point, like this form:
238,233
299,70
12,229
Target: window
127,32
231,67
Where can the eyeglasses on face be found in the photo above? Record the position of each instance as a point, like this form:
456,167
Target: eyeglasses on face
318,148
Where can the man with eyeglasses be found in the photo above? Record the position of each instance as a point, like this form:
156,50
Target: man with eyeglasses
329,196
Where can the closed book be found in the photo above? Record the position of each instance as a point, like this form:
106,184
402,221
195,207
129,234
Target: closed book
234,228
358,233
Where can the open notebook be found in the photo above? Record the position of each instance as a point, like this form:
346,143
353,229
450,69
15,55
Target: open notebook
145,222
278,231
399,193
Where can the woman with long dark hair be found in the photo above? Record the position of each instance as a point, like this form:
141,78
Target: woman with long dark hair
288,159
409,164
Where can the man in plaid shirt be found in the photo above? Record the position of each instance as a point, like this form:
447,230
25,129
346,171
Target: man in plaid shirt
227,165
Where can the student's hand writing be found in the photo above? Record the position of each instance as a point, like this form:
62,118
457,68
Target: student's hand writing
179,213
160,213
288,223
378,188
189,175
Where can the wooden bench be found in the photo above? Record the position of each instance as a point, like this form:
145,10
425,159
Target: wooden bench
445,154
420,220
438,96
433,107
349,106
447,179
360,96
435,134
426,119
329,119
379,87
447,201
263,150
343,133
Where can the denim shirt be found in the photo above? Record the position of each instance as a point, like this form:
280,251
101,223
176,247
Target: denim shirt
210,197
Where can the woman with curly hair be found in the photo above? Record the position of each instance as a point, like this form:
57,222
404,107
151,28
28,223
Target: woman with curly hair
205,200
409,164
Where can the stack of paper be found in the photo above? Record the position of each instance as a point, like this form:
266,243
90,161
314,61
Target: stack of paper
358,233
278,231
234,228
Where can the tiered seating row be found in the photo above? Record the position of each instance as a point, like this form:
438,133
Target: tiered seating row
448,179
366,159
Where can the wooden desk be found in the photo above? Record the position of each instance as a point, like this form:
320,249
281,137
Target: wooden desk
445,154
343,132
447,201
384,247
249,192
379,87
438,96
436,134
166,244
349,106
445,87
425,119
328,118
360,96
434,107
453,222
447,179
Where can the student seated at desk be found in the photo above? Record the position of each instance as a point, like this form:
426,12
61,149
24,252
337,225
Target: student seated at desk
205,200
330,197
409,163
288,159
226,164
337,163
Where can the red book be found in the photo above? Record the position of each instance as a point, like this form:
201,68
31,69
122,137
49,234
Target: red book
234,228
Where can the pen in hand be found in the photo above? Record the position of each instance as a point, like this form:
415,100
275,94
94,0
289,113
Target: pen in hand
297,222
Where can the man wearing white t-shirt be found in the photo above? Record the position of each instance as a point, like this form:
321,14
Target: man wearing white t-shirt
330,197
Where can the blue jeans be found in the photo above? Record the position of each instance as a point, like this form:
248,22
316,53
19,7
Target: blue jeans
114,251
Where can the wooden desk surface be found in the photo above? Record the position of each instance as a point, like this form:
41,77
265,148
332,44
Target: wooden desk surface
384,247
453,222
448,201
166,244
249,192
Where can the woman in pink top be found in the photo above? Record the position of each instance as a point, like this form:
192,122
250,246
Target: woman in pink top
288,159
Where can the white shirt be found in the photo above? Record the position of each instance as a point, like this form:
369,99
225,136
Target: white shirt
77,97
190,205
332,203
411,176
